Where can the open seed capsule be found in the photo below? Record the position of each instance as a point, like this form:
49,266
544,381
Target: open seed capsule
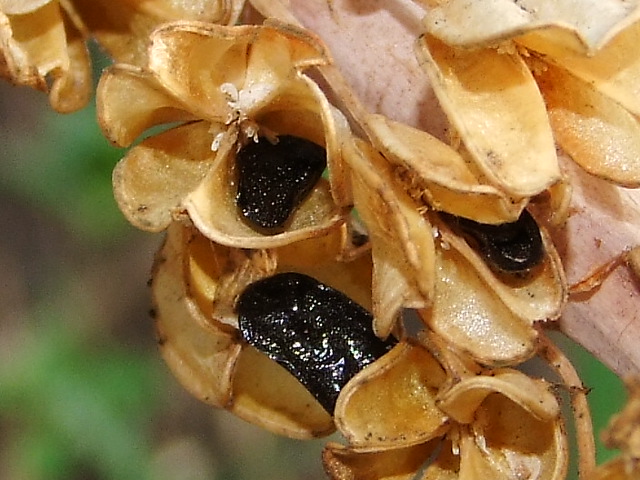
317,333
274,178
513,247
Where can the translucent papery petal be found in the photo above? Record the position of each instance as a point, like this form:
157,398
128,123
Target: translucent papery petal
613,70
38,44
267,395
439,175
343,463
201,358
401,239
508,442
537,295
583,25
211,363
216,276
213,209
253,59
492,100
123,27
465,397
595,131
446,466
615,469
129,101
472,317
391,403
152,180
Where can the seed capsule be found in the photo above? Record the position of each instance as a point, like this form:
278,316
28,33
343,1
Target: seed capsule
317,333
274,178
514,247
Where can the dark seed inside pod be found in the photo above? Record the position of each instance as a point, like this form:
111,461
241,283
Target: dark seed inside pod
316,332
274,178
514,247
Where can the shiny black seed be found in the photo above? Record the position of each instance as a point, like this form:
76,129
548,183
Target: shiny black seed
317,333
514,247
274,178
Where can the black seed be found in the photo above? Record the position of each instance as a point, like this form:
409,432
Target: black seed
317,333
514,247
274,178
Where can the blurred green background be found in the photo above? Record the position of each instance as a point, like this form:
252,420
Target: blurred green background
84,393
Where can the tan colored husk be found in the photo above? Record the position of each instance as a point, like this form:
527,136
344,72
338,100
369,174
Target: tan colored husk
211,362
401,238
435,173
463,399
537,295
391,403
344,463
583,26
595,131
42,43
471,316
260,91
492,100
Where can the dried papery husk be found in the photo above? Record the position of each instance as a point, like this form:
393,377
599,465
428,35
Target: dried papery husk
470,315
537,295
344,463
152,180
462,400
214,365
259,61
595,131
492,100
267,395
391,403
38,46
581,25
438,174
216,276
506,441
401,238
613,70
201,358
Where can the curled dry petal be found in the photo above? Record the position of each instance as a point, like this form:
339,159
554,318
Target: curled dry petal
212,364
463,399
506,442
594,130
492,100
391,403
583,25
438,174
401,238
537,295
344,463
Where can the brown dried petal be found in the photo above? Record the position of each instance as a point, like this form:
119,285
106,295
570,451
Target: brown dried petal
493,101
508,442
472,317
537,295
201,358
583,25
257,60
435,171
463,399
212,363
152,180
401,238
593,129
391,403
343,463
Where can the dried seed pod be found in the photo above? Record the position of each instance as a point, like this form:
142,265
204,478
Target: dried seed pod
274,177
314,331
513,247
